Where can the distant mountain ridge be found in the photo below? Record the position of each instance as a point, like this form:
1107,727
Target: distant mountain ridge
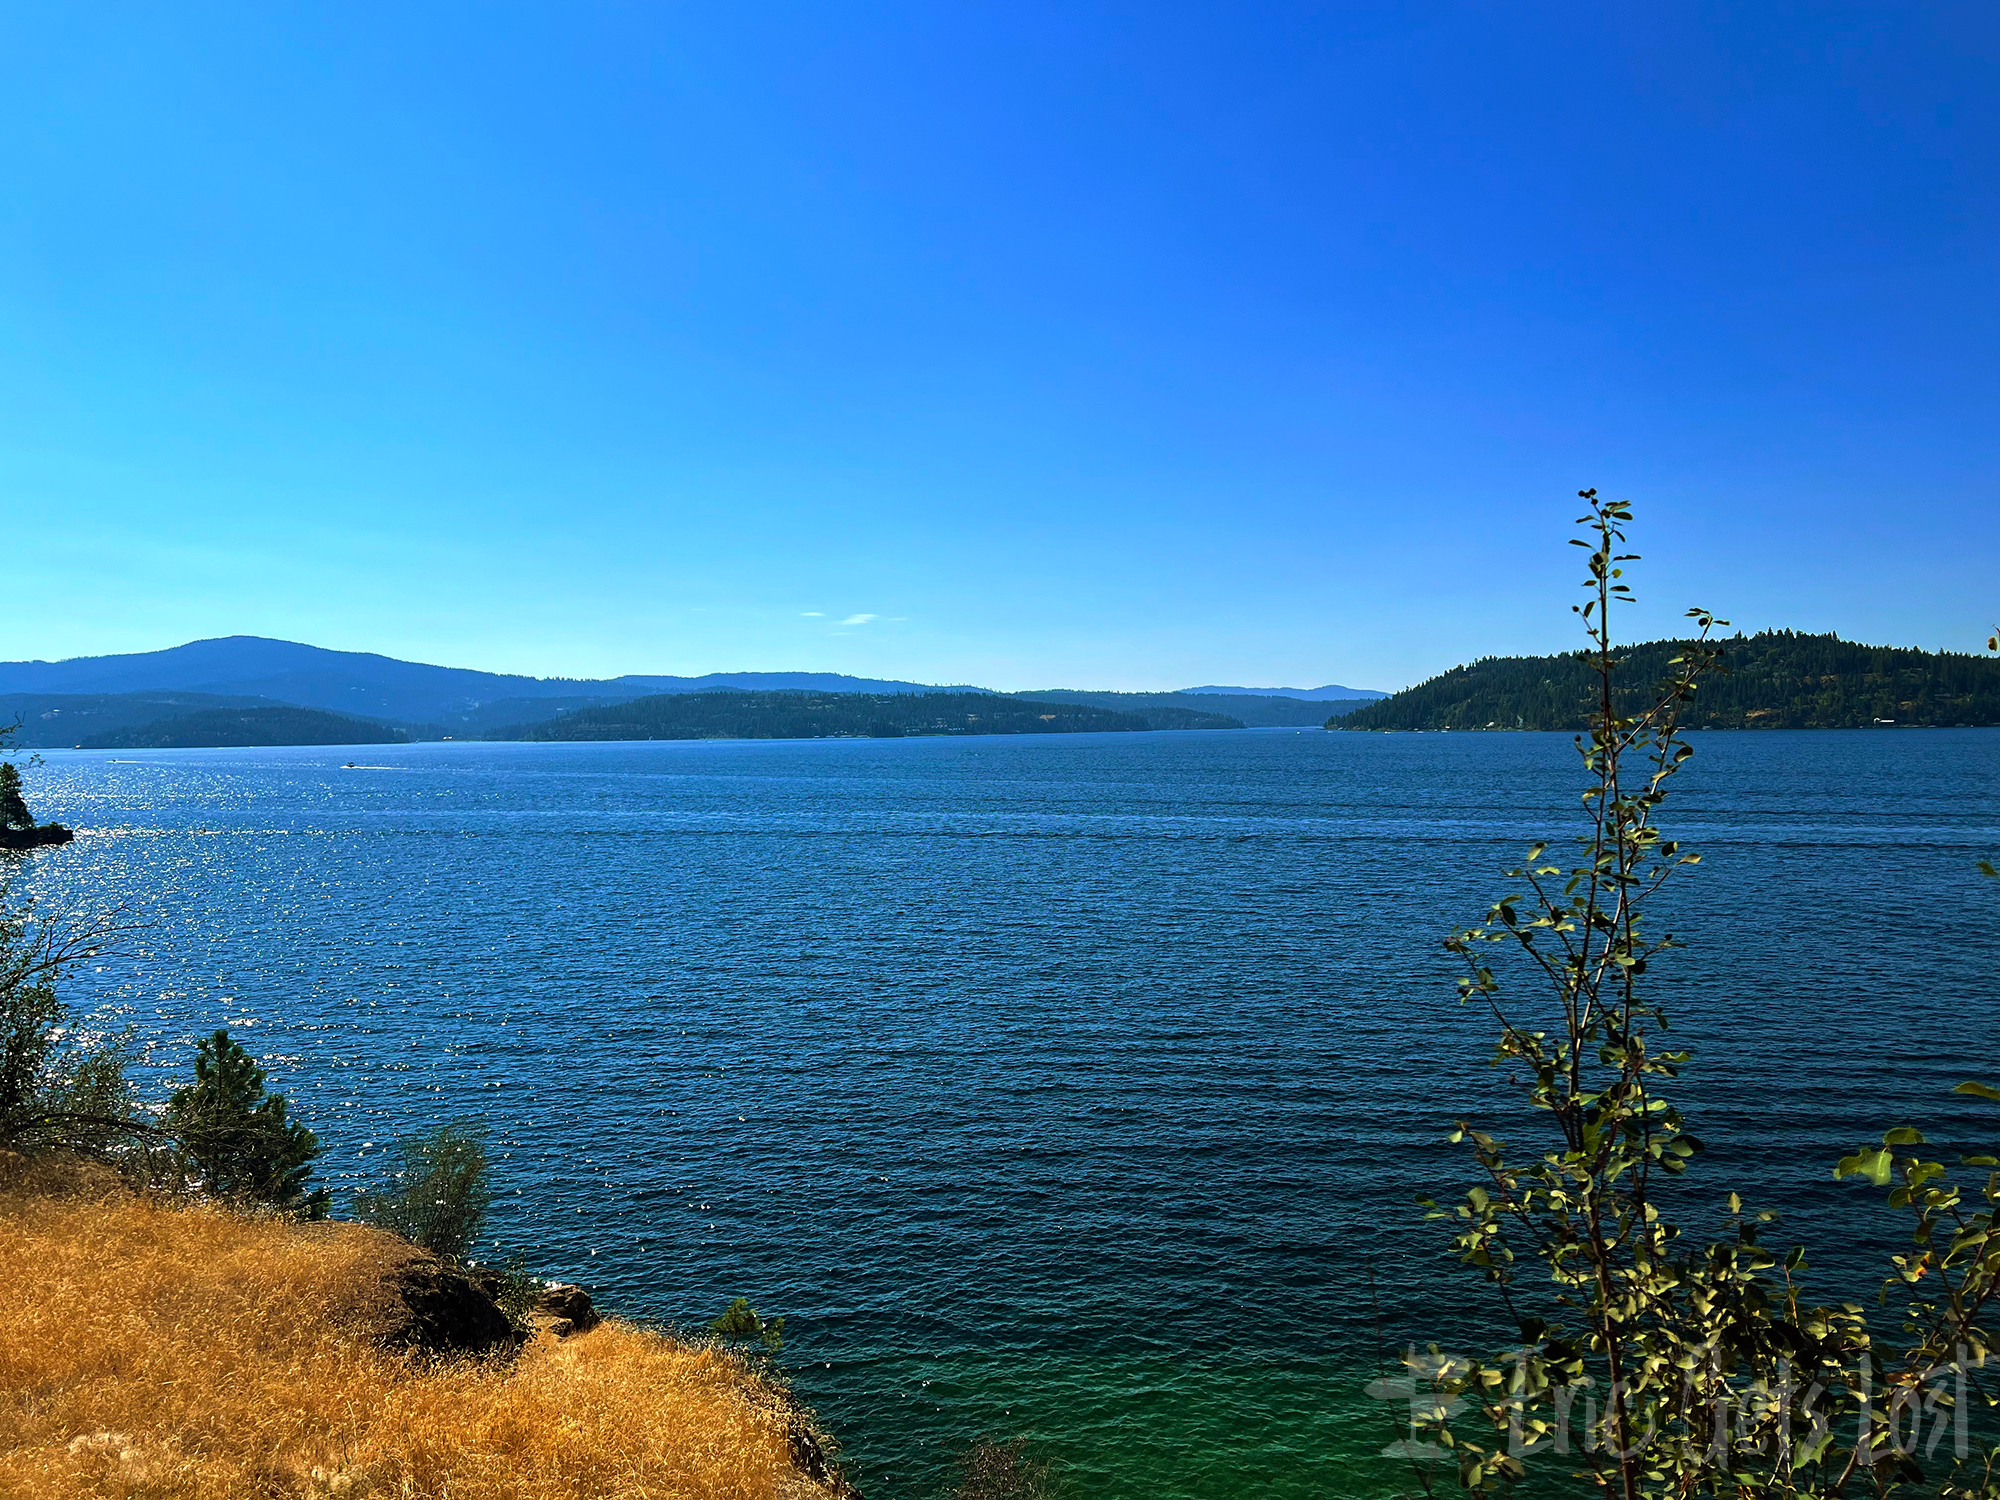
1254,712
1331,691
64,701
378,687
148,697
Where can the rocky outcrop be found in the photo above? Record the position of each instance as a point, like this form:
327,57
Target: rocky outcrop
446,1311
558,1307
816,1455
564,1309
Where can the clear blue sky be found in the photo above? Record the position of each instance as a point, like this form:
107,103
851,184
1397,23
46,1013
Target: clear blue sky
1087,345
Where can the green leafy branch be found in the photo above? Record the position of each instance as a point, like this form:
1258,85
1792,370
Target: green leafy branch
1654,1366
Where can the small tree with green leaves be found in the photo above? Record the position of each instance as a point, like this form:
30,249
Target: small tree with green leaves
237,1139
1654,1367
60,1084
739,1323
440,1193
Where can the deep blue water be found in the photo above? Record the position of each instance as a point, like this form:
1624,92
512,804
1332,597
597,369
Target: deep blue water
1064,1086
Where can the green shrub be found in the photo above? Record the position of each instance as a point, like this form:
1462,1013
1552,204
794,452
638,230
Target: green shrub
1003,1471
60,1085
439,1196
739,1321
518,1295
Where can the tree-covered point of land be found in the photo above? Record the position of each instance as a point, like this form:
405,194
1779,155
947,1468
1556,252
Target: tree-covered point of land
806,715
231,727
13,806
1777,679
18,828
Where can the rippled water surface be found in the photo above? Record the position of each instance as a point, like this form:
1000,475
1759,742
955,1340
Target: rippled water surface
1065,1086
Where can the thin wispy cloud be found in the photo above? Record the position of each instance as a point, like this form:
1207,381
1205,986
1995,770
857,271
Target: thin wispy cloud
858,619
812,614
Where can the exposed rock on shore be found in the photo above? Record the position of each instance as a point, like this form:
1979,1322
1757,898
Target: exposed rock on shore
446,1311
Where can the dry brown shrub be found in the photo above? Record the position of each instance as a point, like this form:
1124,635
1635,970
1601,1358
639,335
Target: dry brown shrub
57,1174
148,1350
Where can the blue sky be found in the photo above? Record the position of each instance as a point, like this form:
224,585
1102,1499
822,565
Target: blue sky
1026,345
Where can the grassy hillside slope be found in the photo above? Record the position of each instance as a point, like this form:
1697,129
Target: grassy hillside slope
800,716
1774,680
168,1352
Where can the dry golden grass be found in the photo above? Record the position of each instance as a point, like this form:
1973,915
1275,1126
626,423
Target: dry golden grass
148,1350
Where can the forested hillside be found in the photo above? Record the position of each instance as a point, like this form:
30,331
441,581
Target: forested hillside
49,720
228,727
1776,680
801,716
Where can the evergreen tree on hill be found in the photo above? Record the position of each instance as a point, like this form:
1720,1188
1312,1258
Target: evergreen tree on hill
13,807
236,1137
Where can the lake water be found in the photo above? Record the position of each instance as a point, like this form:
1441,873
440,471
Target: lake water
1064,1086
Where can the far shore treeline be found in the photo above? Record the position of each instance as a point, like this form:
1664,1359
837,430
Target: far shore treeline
731,714
803,716
229,727
1777,679
1773,680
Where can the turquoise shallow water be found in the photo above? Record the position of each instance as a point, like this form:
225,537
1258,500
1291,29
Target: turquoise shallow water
1064,1086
